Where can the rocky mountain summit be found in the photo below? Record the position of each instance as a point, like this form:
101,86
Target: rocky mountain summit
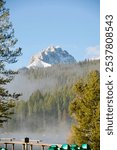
50,56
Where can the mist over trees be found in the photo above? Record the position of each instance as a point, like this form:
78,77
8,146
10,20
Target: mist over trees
48,79
48,106
7,56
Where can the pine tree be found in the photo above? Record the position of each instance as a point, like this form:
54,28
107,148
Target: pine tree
85,110
7,56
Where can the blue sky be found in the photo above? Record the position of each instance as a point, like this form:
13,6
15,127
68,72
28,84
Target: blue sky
72,24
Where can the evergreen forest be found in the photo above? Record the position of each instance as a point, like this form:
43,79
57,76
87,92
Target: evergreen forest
47,106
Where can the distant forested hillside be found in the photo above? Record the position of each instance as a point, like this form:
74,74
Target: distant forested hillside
51,78
47,93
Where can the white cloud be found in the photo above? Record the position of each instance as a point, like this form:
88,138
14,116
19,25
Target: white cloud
93,52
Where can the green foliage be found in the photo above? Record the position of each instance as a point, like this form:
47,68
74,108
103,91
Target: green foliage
43,110
85,110
51,78
48,105
7,56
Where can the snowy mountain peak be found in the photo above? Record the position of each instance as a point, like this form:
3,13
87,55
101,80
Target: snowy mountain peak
49,56
51,49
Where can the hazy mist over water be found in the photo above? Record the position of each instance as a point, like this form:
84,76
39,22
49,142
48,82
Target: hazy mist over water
51,136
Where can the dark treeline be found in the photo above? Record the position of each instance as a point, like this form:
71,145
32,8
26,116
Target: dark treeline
42,111
51,78
48,106
63,73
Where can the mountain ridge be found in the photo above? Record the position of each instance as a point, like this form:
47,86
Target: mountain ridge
50,56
